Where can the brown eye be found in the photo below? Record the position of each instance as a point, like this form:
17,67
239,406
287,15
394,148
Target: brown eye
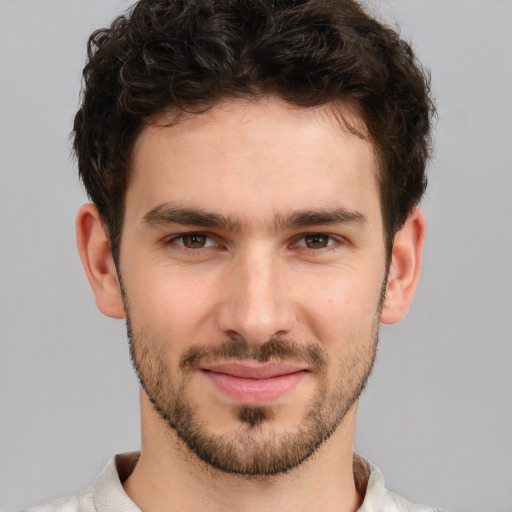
317,241
194,240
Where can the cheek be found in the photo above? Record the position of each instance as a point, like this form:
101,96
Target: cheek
172,304
341,307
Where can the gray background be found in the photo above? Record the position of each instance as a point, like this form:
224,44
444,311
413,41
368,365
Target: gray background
437,415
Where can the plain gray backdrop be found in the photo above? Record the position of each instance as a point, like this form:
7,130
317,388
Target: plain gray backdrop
437,414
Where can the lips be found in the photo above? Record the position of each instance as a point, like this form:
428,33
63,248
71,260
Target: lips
253,383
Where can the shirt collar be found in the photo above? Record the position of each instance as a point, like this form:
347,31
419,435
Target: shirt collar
109,494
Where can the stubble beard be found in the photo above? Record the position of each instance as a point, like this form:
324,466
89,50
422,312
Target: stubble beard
255,450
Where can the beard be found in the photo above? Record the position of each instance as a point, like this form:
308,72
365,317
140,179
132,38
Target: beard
255,448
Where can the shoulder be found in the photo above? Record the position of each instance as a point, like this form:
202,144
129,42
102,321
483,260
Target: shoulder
377,498
105,495
79,502
396,503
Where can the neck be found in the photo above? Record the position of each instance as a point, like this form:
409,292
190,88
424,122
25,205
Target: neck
169,477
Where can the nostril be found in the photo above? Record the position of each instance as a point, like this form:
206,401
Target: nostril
234,335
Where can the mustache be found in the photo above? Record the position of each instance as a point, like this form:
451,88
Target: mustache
276,349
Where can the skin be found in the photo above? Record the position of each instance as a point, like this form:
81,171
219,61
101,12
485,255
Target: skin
253,280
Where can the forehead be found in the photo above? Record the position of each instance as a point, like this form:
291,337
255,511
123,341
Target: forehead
252,159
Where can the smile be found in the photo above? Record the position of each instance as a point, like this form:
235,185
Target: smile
254,383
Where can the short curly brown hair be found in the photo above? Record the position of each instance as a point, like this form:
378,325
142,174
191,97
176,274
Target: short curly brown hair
189,54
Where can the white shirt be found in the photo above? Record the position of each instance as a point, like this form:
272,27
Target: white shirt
107,493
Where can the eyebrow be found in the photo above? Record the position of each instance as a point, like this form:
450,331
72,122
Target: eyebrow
304,218
164,214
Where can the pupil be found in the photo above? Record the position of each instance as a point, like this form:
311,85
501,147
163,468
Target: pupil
194,241
316,241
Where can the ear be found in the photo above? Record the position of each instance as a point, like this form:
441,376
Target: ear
96,255
405,268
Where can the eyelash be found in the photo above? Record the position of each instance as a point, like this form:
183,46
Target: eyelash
176,238
333,242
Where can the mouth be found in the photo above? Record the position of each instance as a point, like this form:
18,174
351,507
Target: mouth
253,383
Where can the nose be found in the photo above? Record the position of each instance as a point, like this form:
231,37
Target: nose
256,304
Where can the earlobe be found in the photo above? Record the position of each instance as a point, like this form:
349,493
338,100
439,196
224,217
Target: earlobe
96,255
405,268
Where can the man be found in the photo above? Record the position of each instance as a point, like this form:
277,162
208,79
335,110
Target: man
254,170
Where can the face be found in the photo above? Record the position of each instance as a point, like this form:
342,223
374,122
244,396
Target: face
253,268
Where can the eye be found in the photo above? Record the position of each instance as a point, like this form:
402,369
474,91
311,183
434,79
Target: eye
316,241
193,241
